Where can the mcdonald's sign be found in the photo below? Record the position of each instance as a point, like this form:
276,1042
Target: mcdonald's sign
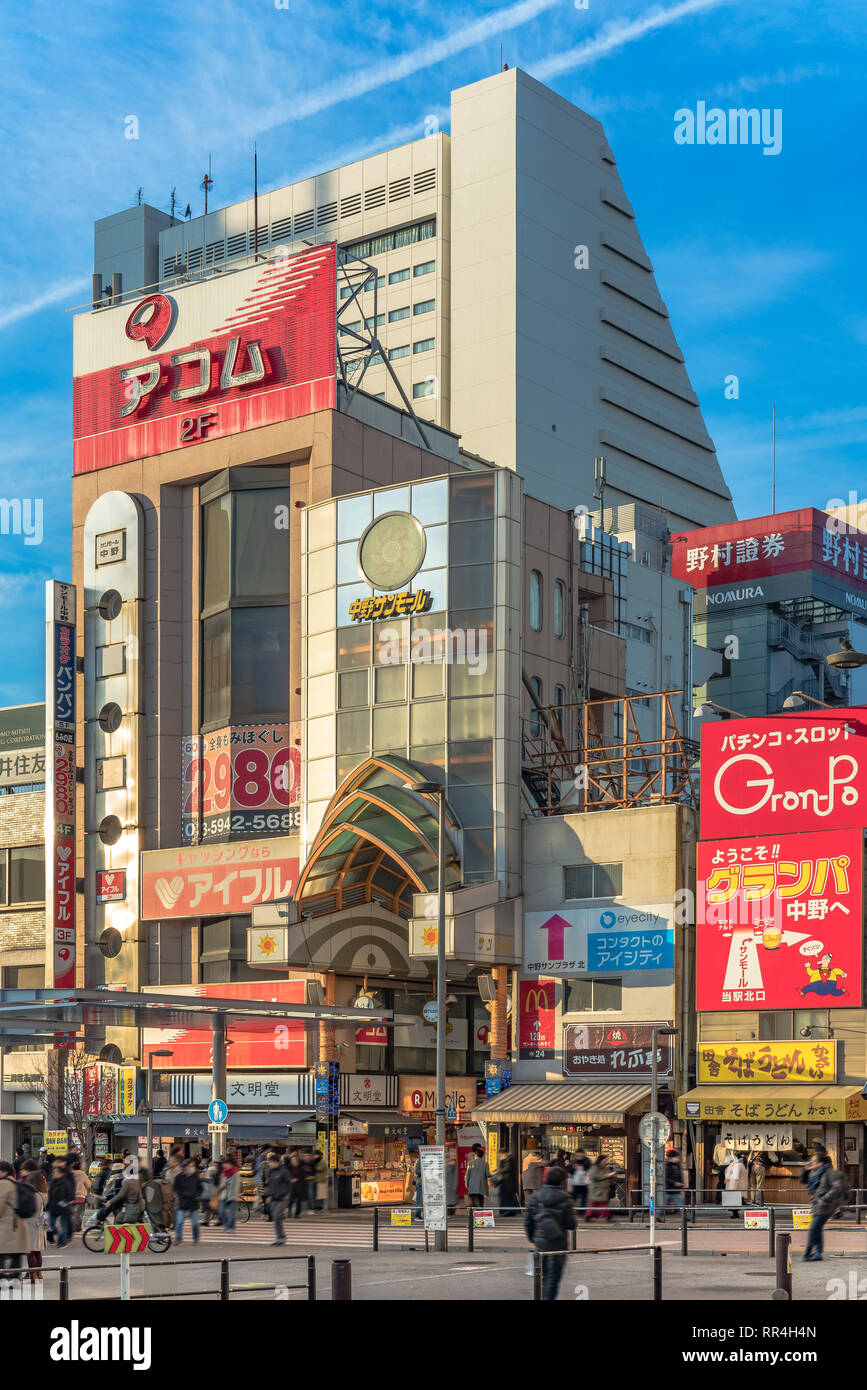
536,1025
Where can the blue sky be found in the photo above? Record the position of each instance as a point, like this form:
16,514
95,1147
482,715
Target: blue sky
760,258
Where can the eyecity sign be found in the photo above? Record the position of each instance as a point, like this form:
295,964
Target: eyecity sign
784,774
227,354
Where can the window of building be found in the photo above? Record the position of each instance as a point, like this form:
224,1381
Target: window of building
559,703
426,268
375,282
592,880
425,345
351,327
24,977
397,276
22,875
536,600
345,291
424,307
535,716
774,1025
397,352
424,388
395,315
559,608
593,996
393,241
376,322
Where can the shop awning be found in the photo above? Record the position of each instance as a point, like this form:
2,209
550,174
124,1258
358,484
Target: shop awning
559,1103
763,1104
381,1118
249,1124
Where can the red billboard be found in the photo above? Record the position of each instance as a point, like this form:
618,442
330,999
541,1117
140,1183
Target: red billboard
217,880
226,354
778,921
272,1044
537,1037
738,552
241,781
784,774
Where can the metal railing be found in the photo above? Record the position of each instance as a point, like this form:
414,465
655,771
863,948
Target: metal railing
223,1289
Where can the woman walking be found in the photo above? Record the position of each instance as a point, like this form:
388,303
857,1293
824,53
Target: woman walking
736,1180
599,1179
14,1234
506,1180
32,1174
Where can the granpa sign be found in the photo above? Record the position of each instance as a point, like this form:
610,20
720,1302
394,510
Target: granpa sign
784,775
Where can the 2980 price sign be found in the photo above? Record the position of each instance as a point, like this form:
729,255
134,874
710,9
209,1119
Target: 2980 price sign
239,782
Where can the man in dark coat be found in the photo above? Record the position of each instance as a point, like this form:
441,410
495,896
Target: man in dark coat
279,1185
549,1216
61,1192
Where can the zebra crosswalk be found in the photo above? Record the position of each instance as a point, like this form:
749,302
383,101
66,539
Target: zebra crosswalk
349,1231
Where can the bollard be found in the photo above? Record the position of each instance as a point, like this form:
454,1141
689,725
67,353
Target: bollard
772,1232
311,1278
784,1267
341,1281
684,1250
63,1293
224,1281
537,1277
575,1236
376,1228
657,1273
471,1231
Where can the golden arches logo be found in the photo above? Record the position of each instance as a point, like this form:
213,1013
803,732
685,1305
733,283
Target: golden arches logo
533,996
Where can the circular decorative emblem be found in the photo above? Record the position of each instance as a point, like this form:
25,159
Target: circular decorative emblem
150,320
391,551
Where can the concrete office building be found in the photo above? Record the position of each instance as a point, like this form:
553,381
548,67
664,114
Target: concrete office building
512,295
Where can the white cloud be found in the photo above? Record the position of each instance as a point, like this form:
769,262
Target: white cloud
67,290
703,281
618,33
747,85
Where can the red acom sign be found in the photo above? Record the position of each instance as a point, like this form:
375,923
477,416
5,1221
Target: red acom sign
236,352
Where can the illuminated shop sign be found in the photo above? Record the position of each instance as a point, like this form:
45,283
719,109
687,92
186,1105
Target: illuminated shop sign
365,610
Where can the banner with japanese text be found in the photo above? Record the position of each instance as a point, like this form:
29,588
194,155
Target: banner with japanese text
808,1062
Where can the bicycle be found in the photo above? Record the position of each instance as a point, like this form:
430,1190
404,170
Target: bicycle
93,1235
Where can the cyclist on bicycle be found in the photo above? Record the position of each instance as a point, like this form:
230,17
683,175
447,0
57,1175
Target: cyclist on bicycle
159,1200
129,1201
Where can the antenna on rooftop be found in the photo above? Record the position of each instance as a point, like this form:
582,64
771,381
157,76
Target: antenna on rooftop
172,202
255,203
773,458
138,197
207,183
599,477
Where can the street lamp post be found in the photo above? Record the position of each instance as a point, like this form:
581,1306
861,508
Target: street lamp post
655,1033
435,789
150,1117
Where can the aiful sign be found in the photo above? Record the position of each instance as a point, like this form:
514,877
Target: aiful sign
214,358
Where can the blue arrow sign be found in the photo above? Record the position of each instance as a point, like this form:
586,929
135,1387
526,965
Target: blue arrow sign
217,1111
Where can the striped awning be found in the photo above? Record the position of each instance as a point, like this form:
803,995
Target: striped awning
558,1102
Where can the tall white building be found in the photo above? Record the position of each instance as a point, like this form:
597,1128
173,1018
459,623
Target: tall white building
513,295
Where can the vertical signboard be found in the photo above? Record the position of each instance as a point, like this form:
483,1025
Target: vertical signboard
60,783
432,1161
536,1025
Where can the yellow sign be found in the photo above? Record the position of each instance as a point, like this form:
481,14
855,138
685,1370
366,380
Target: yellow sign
731,1103
493,1148
365,610
57,1141
808,1062
332,1149
322,1142
801,1218
401,1216
125,1239
386,1191
126,1090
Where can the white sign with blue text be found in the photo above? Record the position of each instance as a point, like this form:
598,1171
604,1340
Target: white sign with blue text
603,937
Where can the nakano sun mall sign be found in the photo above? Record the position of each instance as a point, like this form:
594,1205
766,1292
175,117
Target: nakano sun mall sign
227,354
771,558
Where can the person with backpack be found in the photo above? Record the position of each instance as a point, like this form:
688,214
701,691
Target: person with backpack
129,1201
33,1190
14,1233
549,1216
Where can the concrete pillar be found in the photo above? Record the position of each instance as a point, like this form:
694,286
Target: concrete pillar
499,1014
327,1031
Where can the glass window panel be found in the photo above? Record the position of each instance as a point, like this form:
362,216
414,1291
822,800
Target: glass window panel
27,874
216,551
353,646
472,496
320,653
427,679
478,855
559,608
428,722
435,583
4,881
424,269
392,499
579,996
260,663
474,675
607,880
471,762
425,306
389,728
536,600
607,996
320,571
471,719
352,688
435,554
353,515
390,683
321,523
395,315
353,732
471,542
535,716
346,763
431,755
216,669
472,805
320,778
260,566
428,387
347,563
390,641
471,585
430,502
320,611
347,594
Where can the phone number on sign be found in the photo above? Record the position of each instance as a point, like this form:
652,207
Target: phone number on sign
216,827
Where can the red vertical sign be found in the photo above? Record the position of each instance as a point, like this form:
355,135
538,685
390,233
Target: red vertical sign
536,1021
